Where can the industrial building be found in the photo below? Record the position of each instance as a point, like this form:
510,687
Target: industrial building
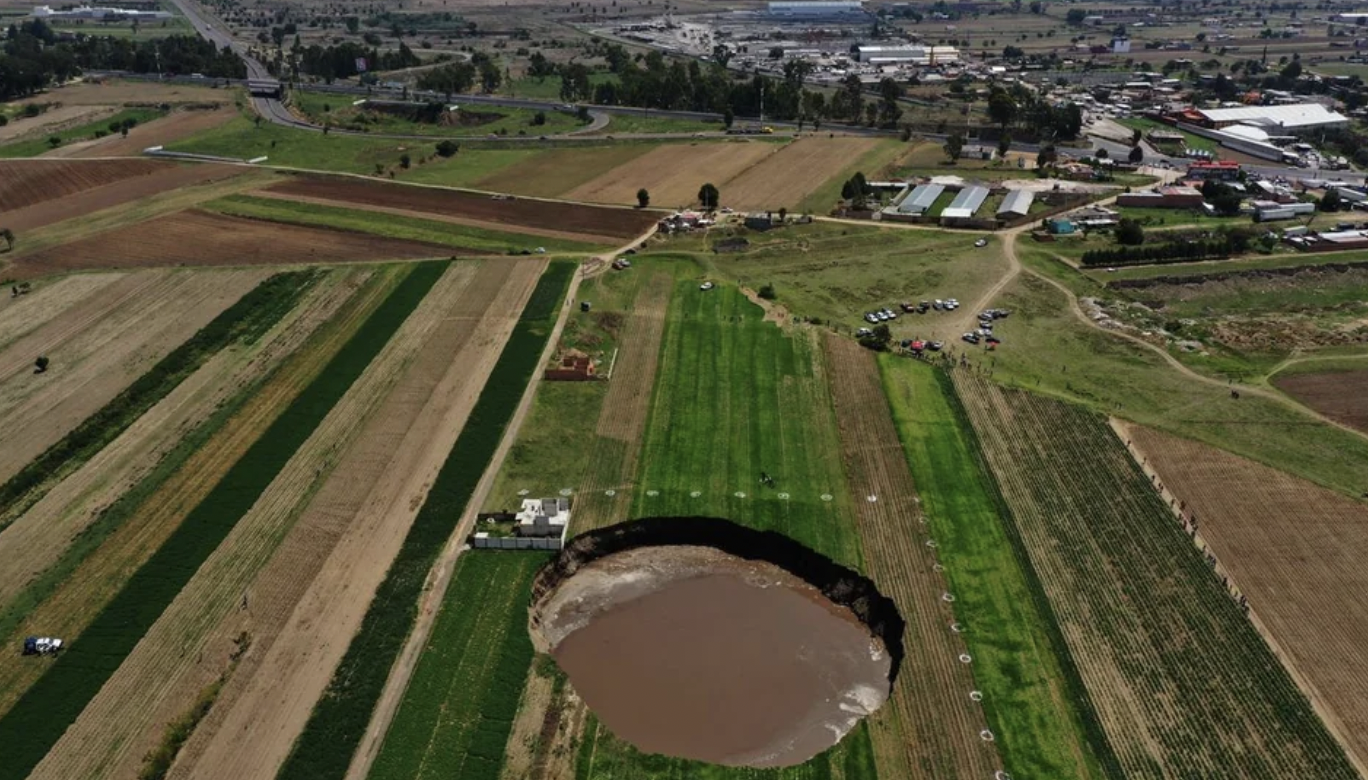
1016,204
88,12
920,199
1163,198
965,203
1269,211
815,7
907,54
1299,117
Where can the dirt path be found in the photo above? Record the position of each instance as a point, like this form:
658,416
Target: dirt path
68,610
931,728
90,366
318,587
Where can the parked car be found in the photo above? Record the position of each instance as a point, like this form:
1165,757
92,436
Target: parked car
705,286
871,319
862,332
935,346
981,243
42,645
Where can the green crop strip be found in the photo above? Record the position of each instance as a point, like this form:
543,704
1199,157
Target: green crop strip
242,323
40,717
460,704
325,748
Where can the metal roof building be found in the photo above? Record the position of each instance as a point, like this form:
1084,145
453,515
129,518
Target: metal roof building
1017,203
966,203
815,7
917,55
1299,116
921,198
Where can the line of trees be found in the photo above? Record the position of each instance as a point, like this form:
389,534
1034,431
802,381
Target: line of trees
339,61
33,58
460,77
1222,244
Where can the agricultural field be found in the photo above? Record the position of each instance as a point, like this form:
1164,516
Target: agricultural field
1294,551
590,222
89,132
795,177
30,182
1335,389
674,173
1139,607
202,238
158,132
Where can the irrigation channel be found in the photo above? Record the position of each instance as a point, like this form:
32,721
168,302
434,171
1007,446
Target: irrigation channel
704,651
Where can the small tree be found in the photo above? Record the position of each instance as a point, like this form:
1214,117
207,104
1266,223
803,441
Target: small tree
405,161
643,198
1136,135
54,141
709,196
40,365
783,214
1331,201
954,146
767,292
1130,233
1004,145
1102,154
728,116
878,340
1136,154
447,148
8,235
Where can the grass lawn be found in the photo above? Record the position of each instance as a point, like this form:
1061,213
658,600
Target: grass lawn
459,706
736,396
160,28
469,167
285,146
1047,350
835,272
649,122
548,87
34,146
338,110
941,203
1016,646
1176,217
391,225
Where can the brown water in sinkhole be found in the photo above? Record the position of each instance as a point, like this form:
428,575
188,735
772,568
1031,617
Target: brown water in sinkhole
690,652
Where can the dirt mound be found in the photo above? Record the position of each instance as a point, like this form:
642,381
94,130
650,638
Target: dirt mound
513,212
690,651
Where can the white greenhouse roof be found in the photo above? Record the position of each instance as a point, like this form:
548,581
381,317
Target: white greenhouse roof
1017,202
921,198
966,203
1291,117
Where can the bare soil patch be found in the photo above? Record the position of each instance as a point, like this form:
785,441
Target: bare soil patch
198,238
673,173
1339,395
317,605
1296,552
91,365
54,119
115,193
687,651
133,93
930,720
27,182
787,178
593,222
160,132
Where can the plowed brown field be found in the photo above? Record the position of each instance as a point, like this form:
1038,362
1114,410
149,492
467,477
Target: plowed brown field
114,193
1339,395
197,238
26,182
673,173
1297,552
319,585
97,351
69,609
158,132
591,221
929,728
785,179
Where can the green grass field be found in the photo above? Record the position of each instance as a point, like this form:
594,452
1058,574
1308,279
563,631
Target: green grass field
1032,706
35,146
458,709
337,110
479,240
647,122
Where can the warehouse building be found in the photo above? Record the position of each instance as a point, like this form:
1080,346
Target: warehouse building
815,7
965,203
911,55
1017,204
1163,198
1296,118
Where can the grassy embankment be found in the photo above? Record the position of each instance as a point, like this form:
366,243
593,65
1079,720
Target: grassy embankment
242,323
325,748
40,717
1033,697
459,706
337,110
458,236
35,146
1048,350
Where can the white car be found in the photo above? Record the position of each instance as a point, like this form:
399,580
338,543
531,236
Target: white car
705,286
982,242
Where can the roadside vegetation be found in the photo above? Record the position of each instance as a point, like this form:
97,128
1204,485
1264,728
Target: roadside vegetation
459,706
125,122
325,748
42,714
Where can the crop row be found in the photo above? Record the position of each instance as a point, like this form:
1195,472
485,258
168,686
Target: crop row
1182,682
244,322
339,720
460,704
40,717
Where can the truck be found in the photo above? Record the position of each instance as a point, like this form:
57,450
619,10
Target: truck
42,645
